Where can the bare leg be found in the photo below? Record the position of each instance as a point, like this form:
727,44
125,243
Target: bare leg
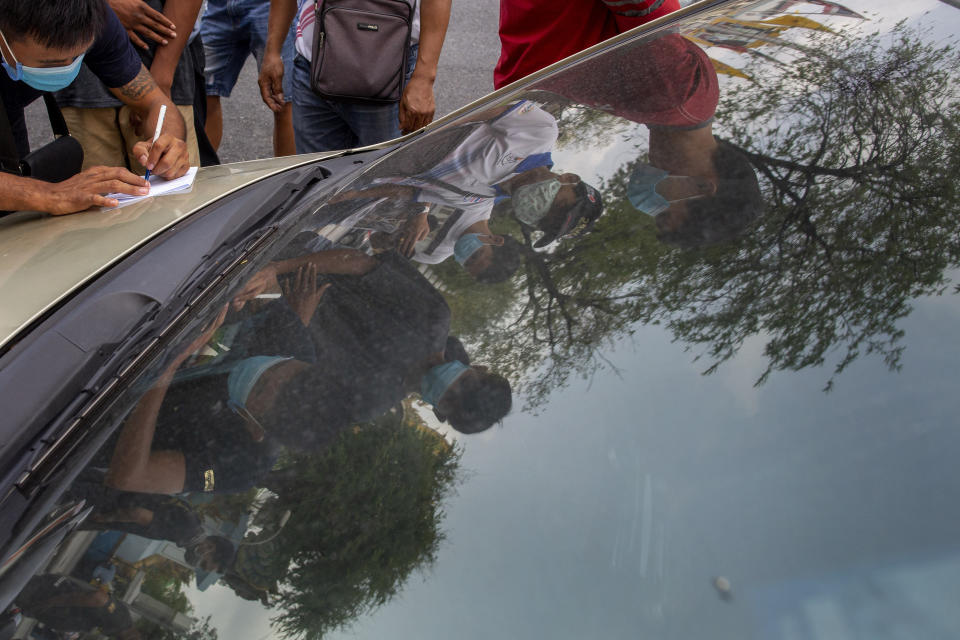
283,143
214,126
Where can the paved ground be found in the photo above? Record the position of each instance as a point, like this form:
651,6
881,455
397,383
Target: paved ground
466,73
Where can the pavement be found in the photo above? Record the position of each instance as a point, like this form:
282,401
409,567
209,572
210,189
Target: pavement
465,74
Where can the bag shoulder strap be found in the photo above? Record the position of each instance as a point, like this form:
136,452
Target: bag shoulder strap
450,187
443,231
9,155
57,123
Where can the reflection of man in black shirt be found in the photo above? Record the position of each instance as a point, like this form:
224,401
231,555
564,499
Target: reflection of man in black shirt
376,335
66,604
379,327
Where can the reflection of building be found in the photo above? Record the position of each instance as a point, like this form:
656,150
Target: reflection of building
821,7
133,556
762,25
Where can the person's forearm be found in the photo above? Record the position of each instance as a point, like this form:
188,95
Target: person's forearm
434,18
18,193
338,261
182,13
144,96
282,13
173,123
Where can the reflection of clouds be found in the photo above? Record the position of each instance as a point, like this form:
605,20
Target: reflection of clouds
743,370
600,163
231,616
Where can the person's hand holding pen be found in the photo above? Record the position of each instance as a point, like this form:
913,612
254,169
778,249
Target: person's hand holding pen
165,155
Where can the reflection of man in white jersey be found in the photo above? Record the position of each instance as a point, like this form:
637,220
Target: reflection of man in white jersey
461,189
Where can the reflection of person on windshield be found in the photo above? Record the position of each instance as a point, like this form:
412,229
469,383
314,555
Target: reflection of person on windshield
499,153
218,427
159,518
67,605
381,335
700,190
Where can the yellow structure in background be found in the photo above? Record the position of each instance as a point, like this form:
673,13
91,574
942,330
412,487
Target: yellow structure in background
762,25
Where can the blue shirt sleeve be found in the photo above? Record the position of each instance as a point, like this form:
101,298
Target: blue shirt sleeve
533,161
112,57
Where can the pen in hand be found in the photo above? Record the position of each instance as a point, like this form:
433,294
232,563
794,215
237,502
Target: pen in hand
156,134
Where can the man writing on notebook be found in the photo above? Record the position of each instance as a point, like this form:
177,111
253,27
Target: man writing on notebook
43,45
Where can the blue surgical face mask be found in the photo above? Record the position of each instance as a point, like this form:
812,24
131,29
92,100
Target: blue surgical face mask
438,379
42,78
642,190
243,378
467,245
532,201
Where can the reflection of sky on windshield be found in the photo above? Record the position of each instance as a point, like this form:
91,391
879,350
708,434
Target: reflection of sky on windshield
600,163
545,536
534,532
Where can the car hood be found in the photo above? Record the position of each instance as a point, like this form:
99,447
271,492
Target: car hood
45,258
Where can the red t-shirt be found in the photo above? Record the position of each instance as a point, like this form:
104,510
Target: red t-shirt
537,33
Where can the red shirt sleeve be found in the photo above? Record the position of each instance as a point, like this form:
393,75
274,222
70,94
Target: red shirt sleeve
632,14
537,33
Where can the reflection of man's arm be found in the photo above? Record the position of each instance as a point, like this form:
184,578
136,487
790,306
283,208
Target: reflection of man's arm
335,261
395,191
91,599
339,261
134,465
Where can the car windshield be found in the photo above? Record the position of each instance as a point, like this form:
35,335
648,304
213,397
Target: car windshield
653,346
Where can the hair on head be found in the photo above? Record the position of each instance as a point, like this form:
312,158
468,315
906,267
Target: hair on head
728,213
486,400
63,24
505,262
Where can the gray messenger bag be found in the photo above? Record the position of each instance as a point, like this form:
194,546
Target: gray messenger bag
360,49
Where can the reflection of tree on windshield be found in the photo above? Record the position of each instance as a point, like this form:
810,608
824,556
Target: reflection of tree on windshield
365,515
857,154
860,153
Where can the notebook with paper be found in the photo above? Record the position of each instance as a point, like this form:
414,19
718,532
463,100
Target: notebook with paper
158,187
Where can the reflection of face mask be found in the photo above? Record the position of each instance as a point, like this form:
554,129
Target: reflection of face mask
467,245
42,78
436,381
532,201
642,190
244,376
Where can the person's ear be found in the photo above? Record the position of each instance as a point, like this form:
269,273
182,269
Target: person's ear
497,240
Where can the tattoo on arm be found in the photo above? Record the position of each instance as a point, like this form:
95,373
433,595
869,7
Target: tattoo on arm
140,86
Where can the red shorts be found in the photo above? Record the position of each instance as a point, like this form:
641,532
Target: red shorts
667,82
